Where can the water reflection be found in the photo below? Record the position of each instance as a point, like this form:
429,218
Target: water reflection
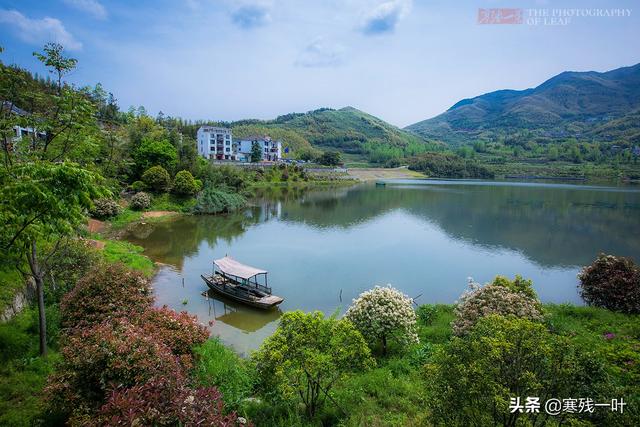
324,247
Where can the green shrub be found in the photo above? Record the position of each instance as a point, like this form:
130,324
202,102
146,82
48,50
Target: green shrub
472,379
105,208
426,313
305,357
495,298
217,365
140,201
138,186
613,283
212,201
185,184
157,179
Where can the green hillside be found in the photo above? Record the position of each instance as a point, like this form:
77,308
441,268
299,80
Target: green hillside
348,130
577,105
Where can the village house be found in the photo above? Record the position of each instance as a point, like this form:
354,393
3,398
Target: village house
216,143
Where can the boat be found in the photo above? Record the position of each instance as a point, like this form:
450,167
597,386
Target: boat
381,184
239,282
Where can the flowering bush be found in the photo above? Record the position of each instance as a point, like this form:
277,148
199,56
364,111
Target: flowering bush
495,298
107,291
382,314
178,331
140,201
109,354
165,403
613,283
105,208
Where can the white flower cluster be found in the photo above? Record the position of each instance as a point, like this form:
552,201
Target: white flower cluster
384,313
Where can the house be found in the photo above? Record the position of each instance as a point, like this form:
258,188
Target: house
216,143
9,109
271,150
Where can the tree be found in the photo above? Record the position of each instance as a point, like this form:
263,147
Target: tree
472,379
42,202
185,184
157,178
383,314
256,152
307,355
330,158
152,152
613,283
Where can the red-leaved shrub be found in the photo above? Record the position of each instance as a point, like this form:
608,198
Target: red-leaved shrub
178,331
110,354
162,403
106,292
613,283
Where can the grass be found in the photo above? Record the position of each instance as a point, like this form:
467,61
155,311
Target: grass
124,218
128,254
170,202
217,365
23,373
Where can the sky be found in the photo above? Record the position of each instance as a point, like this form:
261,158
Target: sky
401,60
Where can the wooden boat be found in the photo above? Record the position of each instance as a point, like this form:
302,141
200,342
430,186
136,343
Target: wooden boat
239,282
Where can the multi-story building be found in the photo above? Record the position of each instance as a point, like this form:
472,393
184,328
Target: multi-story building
271,150
216,143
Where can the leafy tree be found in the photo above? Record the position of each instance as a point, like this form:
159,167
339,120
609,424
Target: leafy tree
212,201
153,152
157,179
40,202
472,379
383,314
307,355
185,184
330,158
256,152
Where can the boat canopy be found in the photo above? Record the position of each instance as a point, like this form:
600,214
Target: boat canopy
232,267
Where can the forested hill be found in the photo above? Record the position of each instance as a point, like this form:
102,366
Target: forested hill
348,130
582,105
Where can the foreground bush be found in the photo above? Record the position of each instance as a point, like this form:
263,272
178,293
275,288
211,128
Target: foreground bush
157,179
212,201
502,297
613,283
106,292
306,356
472,379
384,314
140,201
109,354
105,208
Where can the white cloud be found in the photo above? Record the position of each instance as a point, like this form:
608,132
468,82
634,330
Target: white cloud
321,53
251,15
38,31
385,17
92,7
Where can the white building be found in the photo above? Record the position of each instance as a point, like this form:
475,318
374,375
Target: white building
271,150
216,143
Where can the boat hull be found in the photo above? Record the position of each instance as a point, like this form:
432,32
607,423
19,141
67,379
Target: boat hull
242,294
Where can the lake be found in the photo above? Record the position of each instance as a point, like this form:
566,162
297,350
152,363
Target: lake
425,237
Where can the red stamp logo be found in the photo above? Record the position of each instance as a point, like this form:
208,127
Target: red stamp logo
500,16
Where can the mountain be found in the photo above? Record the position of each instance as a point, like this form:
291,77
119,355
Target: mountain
583,105
348,130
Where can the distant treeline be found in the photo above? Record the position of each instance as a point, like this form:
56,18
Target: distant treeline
445,165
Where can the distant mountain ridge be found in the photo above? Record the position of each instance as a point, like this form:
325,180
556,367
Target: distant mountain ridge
571,104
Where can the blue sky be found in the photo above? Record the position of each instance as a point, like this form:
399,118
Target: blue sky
400,60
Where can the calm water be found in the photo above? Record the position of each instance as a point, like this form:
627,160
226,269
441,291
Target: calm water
322,248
